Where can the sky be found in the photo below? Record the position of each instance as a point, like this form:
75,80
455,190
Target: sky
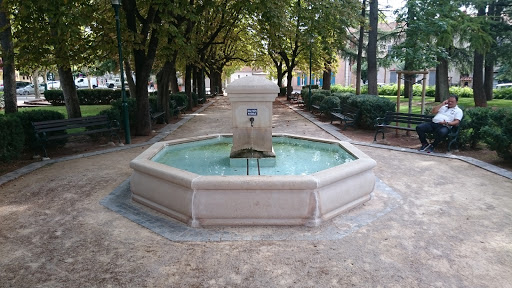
395,4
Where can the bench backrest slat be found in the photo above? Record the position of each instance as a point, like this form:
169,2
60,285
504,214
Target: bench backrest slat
64,124
407,118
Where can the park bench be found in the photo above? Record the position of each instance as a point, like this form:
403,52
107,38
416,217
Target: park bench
297,99
156,115
345,113
58,129
408,122
177,109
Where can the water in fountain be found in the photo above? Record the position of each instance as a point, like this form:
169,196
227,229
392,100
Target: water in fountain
293,157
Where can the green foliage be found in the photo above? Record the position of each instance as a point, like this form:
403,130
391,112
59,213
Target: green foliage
462,92
498,133
86,96
27,117
474,120
343,96
329,103
282,91
11,137
313,87
181,99
339,88
115,112
389,90
317,98
370,107
503,93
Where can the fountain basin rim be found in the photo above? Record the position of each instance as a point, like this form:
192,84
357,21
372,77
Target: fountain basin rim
209,200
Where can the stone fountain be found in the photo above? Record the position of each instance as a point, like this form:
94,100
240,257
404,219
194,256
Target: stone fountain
270,199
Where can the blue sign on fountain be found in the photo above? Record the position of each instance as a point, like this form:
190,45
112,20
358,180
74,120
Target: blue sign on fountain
252,112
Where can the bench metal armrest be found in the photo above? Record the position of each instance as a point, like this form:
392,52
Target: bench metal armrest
114,124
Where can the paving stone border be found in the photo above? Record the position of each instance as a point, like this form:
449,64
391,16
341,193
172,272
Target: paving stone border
384,199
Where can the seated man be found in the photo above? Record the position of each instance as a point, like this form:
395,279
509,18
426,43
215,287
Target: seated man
448,114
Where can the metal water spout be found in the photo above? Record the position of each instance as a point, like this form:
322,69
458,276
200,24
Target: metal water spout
252,121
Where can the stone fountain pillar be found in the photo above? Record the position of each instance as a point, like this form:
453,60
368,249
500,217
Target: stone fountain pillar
251,101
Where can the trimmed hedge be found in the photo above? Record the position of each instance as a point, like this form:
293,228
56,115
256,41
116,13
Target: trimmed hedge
27,117
329,103
503,93
498,132
370,107
86,96
488,126
17,133
12,139
115,112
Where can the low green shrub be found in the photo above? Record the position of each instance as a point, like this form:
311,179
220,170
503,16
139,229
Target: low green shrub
462,92
474,120
317,98
343,96
115,112
306,87
329,103
314,100
181,99
342,89
27,117
12,138
86,96
497,134
503,93
282,91
370,107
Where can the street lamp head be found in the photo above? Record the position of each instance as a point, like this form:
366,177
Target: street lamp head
116,2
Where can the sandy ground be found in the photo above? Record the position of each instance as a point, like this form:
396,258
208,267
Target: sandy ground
452,229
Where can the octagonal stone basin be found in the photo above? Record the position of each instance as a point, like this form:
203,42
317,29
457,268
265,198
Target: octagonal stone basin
205,200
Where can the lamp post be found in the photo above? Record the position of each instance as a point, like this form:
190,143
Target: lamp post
310,57
116,4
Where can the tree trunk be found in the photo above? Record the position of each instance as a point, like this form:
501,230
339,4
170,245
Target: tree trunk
371,53
359,59
175,88
327,77
69,90
478,74
488,78
216,81
35,82
129,78
478,80
442,85
188,79
146,32
162,77
9,76
289,87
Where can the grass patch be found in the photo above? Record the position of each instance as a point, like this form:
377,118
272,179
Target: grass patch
430,102
87,110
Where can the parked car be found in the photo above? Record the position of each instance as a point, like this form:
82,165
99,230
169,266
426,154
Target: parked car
21,84
29,89
53,85
84,82
504,85
116,83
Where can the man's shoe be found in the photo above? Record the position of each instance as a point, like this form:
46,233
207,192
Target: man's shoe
429,149
424,147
